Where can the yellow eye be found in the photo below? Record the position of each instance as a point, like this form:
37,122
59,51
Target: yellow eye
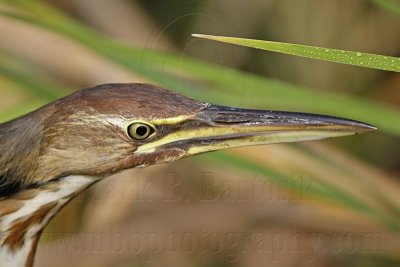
139,130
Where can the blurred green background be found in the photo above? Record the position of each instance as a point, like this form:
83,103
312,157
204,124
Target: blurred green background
327,203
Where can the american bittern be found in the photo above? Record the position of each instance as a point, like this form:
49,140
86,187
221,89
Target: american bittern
49,156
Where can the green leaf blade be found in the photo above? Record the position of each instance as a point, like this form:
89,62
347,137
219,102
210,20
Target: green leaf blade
365,60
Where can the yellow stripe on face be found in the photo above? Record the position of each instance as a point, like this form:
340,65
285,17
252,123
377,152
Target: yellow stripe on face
215,131
162,121
174,120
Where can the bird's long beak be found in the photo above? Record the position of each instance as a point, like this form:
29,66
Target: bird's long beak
218,127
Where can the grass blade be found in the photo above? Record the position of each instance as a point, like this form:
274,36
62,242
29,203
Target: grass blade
365,60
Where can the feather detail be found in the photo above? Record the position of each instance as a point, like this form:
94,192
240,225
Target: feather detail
24,216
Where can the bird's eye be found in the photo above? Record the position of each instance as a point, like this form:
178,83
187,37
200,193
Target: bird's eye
139,130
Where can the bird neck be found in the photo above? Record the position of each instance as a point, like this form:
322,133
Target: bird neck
19,151
24,215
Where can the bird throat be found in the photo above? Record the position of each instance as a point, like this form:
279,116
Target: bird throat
24,215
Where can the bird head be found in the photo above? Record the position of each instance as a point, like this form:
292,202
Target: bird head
52,154
105,129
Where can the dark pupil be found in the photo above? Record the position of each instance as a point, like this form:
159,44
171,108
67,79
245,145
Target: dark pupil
141,130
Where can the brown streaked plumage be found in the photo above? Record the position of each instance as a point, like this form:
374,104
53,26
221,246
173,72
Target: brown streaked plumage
52,154
17,231
8,206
